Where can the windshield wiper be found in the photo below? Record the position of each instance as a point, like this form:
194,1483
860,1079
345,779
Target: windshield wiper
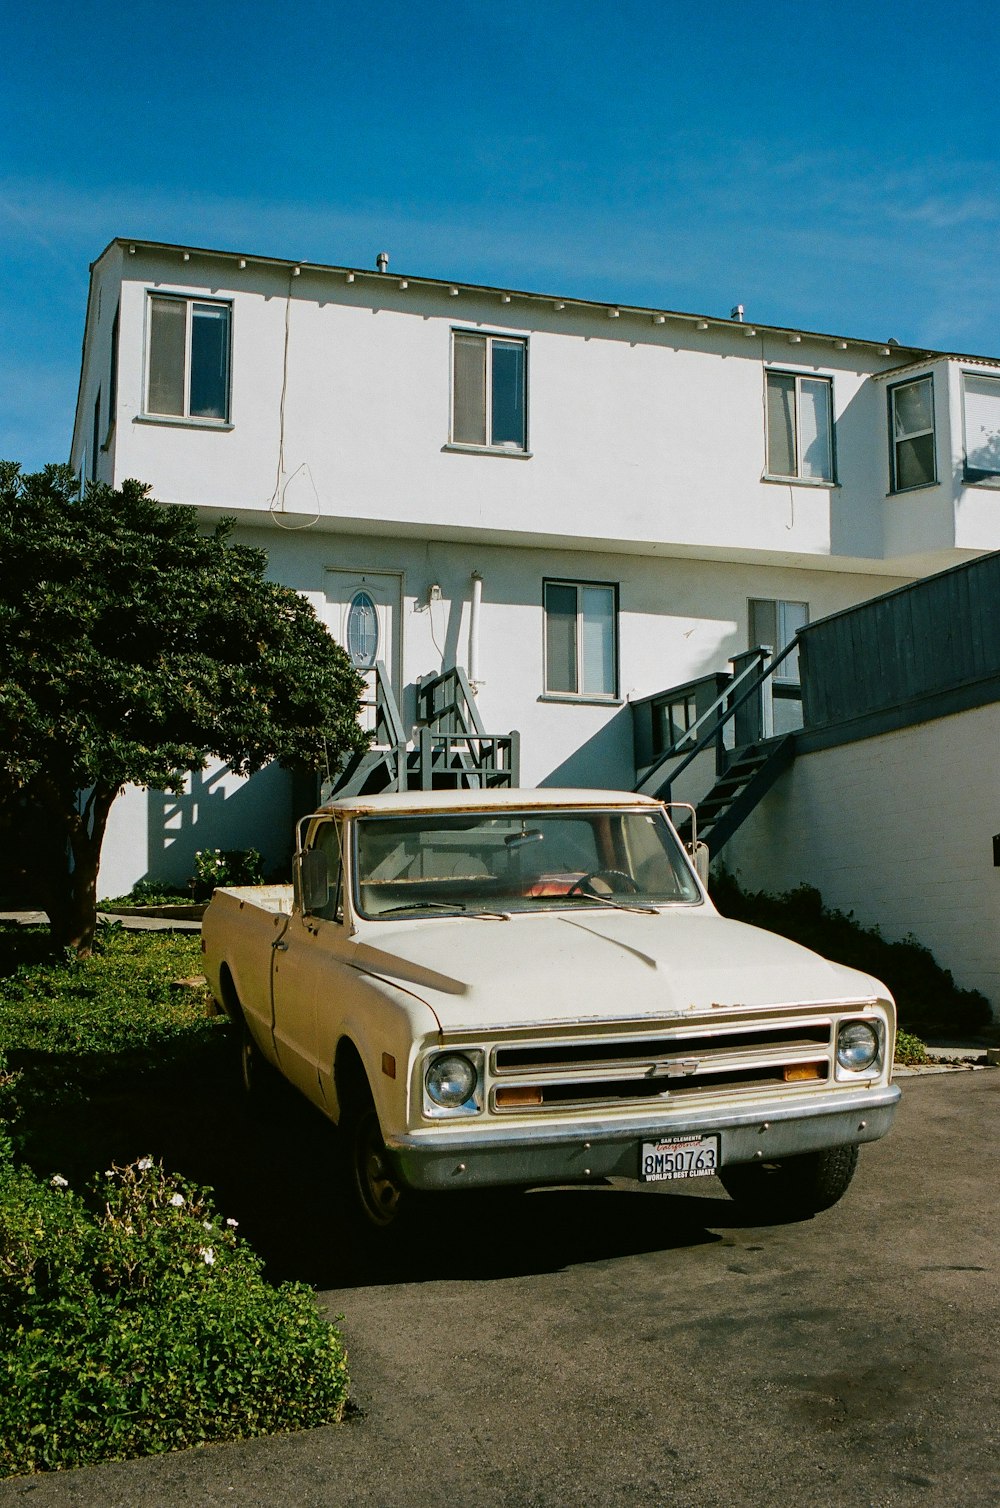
605,900
455,908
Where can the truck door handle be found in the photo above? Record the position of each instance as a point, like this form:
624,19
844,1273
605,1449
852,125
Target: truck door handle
279,947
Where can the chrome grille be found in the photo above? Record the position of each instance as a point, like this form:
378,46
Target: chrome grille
678,1065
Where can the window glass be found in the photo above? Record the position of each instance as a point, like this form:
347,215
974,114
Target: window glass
489,391
597,634
113,374
799,426
167,335
95,437
915,462
814,429
517,861
469,424
188,358
362,631
775,623
560,638
913,407
508,393
780,424
913,456
209,361
982,425
328,842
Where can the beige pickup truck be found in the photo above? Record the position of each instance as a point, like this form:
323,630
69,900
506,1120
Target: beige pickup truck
529,987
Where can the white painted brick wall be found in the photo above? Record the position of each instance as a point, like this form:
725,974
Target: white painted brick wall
897,829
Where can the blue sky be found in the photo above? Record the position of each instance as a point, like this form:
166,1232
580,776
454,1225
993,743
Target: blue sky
830,166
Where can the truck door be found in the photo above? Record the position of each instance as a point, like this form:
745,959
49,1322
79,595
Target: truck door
309,976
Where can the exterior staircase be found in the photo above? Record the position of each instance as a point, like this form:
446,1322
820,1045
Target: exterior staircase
450,748
748,777
730,715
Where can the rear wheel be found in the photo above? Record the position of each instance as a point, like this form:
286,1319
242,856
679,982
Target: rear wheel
795,1187
258,1079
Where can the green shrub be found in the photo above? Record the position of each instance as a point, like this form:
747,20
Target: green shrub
150,893
225,866
909,1049
135,1321
927,997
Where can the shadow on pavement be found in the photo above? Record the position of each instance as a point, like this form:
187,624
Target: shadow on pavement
278,1176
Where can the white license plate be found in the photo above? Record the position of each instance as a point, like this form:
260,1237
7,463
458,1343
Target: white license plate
678,1157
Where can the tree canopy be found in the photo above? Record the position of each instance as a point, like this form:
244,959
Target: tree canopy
133,647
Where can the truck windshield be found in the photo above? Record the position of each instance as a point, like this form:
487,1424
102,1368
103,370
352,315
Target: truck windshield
518,861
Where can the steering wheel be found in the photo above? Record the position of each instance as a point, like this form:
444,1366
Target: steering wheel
584,886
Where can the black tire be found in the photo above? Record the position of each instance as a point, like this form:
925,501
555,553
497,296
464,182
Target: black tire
257,1078
382,1204
794,1188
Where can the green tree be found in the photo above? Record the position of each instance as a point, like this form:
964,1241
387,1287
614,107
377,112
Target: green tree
133,646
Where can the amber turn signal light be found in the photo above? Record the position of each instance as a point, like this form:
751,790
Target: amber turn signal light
796,1072
513,1097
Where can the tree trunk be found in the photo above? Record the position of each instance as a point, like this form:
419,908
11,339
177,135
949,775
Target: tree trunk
86,840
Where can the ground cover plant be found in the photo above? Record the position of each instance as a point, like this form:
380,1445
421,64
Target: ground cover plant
134,1318
928,1000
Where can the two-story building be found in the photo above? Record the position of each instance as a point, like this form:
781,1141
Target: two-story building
580,503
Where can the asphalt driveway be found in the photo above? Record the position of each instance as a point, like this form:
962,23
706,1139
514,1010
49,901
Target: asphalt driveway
623,1347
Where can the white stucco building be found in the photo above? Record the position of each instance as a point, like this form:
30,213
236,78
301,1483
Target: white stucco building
581,503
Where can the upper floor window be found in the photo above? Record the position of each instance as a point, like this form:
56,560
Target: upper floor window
799,427
581,639
489,391
982,427
188,362
95,438
774,624
911,434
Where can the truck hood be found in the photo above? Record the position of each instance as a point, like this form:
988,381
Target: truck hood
600,966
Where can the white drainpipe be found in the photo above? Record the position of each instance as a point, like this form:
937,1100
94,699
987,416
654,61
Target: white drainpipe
477,600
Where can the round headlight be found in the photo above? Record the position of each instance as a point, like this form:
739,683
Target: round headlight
451,1080
858,1045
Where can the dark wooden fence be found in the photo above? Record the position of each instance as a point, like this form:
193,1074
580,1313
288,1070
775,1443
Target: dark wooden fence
936,637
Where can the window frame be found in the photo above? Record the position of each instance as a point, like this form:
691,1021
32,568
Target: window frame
915,434
189,300
976,476
796,477
489,339
601,698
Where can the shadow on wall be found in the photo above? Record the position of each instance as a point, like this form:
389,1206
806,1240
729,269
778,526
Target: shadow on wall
219,810
605,761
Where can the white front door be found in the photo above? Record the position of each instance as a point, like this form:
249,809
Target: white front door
364,613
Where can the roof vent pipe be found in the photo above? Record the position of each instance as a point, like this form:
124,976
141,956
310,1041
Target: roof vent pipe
736,312
382,261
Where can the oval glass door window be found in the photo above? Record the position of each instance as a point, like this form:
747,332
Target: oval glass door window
362,631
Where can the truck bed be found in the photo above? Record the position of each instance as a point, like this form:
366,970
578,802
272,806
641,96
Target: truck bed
267,897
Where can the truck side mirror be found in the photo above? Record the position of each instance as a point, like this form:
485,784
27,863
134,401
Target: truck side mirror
314,881
701,858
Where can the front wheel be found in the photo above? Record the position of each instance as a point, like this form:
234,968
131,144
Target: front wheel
378,1195
794,1188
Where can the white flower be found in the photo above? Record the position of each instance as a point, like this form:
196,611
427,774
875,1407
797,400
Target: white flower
207,1255
59,1182
177,1200
232,1224
109,1172
144,1164
208,1225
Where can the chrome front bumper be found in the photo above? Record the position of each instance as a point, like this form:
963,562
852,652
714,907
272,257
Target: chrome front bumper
491,1154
